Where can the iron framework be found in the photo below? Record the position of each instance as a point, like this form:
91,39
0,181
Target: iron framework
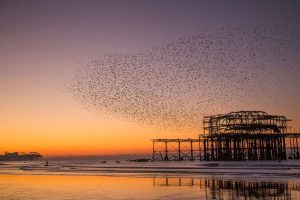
243,135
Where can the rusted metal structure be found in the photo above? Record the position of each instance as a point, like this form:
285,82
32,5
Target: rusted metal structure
176,149
243,135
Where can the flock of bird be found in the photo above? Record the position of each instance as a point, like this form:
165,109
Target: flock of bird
172,86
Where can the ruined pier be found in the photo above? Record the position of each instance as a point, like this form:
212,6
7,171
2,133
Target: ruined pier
243,135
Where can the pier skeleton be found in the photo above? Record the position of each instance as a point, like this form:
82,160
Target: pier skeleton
243,135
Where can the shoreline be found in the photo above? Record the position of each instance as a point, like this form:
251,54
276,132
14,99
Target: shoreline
269,169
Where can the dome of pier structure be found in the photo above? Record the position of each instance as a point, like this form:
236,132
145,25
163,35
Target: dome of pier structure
245,122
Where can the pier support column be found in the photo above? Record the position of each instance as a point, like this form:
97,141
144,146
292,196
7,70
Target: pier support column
192,153
166,151
153,151
179,151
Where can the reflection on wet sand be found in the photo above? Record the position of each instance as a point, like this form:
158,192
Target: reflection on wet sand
233,189
78,187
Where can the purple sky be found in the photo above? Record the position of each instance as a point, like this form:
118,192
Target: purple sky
42,44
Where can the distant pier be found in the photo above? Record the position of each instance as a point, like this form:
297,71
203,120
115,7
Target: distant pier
243,135
17,156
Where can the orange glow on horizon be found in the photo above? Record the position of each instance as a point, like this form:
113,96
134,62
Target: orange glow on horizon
71,130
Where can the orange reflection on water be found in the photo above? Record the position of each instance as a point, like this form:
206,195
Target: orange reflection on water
82,187
73,187
57,187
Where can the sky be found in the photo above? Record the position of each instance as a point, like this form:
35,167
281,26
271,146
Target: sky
51,50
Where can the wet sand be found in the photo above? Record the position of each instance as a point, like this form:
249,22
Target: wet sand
151,180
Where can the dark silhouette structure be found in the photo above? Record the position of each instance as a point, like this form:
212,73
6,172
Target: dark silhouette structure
243,135
16,156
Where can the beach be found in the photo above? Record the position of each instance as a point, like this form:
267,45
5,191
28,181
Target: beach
150,180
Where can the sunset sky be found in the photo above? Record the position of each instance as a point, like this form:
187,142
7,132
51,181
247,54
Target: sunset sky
43,45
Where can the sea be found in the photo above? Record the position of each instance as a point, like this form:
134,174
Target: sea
123,179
